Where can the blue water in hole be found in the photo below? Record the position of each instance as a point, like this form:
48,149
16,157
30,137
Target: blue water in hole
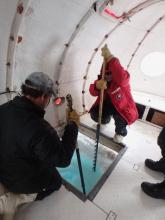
87,148
71,174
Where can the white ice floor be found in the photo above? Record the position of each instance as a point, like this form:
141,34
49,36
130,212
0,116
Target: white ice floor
121,197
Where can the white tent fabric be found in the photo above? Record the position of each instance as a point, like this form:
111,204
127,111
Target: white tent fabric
63,39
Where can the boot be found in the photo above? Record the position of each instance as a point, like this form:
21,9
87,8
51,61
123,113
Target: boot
156,165
156,190
118,138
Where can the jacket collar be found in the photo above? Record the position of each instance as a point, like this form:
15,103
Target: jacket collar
23,102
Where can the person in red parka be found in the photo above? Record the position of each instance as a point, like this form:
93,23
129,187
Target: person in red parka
118,101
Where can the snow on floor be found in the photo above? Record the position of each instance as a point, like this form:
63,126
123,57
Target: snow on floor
121,197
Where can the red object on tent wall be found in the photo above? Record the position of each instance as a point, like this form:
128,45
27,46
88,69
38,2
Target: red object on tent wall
20,8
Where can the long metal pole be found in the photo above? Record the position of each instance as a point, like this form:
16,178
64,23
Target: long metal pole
69,100
80,169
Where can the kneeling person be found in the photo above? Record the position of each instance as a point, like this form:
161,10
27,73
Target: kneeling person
30,147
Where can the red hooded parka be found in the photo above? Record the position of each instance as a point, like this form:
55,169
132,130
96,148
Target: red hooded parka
118,91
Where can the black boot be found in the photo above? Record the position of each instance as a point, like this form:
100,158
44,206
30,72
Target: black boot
156,165
154,190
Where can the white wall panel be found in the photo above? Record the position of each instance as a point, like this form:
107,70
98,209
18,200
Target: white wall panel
45,31
7,11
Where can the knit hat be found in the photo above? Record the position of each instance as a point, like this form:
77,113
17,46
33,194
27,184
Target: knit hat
40,81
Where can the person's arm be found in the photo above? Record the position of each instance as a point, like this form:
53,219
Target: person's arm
98,85
93,90
49,149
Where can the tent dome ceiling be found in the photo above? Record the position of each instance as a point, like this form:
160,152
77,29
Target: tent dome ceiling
63,39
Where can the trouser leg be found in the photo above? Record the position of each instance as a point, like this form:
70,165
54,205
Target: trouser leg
161,141
162,147
163,153
7,216
2,191
120,125
9,203
94,113
161,162
54,184
107,112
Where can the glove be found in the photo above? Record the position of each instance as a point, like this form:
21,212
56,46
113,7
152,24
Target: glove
101,84
106,53
73,116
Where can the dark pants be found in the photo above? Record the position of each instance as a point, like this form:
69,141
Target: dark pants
161,142
53,185
107,112
43,184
